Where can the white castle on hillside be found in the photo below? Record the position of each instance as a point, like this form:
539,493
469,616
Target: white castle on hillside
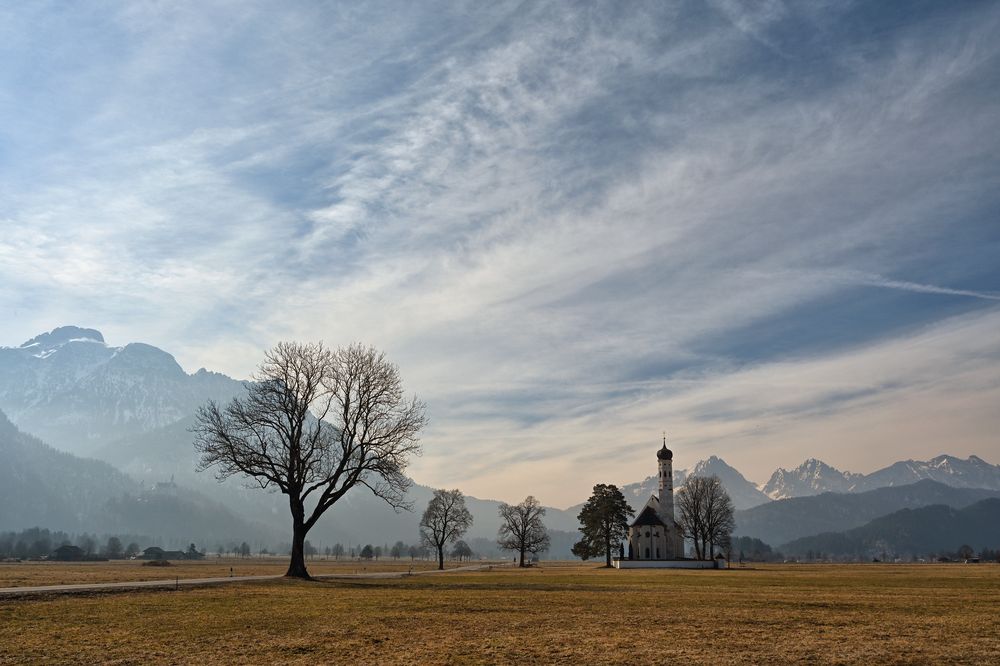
655,533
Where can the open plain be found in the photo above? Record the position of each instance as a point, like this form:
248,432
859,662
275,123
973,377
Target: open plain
115,571
564,613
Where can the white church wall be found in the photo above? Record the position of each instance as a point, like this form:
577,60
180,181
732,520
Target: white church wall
663,564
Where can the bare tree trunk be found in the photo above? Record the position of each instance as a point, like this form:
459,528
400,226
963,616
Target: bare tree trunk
441,557
522,559
297,565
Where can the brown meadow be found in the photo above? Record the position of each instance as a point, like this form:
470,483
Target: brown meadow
556,613
22,574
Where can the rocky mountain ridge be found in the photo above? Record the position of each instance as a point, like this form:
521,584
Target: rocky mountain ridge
814,476
74,391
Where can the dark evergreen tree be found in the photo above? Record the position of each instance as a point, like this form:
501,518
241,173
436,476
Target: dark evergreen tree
603,522
113,550
461,551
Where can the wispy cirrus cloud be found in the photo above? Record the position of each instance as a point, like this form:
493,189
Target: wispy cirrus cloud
572,226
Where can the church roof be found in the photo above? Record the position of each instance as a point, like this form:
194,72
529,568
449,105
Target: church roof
648,516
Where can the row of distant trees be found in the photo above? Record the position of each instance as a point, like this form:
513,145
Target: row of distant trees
39,542
400,550
960,554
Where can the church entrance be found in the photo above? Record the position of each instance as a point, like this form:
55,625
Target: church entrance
647,552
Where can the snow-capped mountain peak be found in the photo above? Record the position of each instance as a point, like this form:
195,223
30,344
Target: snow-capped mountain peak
973,472
60,336
812,477
72,389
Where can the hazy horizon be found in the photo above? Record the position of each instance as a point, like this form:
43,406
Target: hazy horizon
771,232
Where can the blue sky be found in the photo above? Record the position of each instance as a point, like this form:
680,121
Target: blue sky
770,228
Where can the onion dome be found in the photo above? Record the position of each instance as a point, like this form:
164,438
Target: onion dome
665,453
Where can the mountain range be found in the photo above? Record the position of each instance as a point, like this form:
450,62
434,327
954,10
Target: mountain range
75,392
132,407
920,532
814,476
782,521
40,486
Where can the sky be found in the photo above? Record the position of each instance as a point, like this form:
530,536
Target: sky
770,229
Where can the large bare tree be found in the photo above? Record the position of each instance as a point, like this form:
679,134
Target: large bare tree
444,521
314,424
522,529
706,513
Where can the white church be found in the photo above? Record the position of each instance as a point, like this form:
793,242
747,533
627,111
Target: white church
655,538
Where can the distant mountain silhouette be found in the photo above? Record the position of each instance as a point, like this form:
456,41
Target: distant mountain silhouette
40,486
781,521
973,472
921,532
814,476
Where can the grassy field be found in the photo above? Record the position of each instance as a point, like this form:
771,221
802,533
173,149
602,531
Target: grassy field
568,614
18,574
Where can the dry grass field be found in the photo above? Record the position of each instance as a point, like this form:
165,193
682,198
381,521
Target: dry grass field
21,574
565,614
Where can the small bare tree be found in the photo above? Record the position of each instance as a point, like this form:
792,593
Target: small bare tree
719,520
445,520
690,503
315,423
522,529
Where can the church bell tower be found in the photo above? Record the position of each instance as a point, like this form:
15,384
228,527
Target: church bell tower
665,457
